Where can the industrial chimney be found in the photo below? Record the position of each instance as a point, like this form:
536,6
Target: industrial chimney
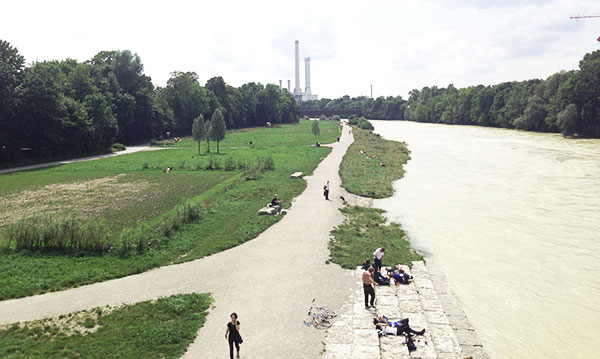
289,88
297,90
280,86
307,91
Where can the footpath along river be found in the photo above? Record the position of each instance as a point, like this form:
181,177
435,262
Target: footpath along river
513,218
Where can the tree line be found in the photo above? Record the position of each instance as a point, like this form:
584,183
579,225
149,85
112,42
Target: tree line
566,102
64,108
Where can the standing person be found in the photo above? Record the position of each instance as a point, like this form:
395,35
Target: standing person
368,288
377,257
233,329
326,190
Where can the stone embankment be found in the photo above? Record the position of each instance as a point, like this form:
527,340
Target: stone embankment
353,334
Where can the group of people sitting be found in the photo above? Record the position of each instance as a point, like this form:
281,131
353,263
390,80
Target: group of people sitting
372,275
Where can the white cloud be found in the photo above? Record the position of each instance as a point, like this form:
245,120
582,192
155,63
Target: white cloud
394,45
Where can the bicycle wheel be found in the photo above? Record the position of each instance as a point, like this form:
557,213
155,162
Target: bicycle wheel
328,313
322,323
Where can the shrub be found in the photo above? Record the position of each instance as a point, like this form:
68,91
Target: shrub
229,164
145,166
353,121
183,214
336,118
364,124
118,147
323,118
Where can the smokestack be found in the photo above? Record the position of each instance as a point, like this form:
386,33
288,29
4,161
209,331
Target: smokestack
280,87
307,91
297,90
289,88
371,91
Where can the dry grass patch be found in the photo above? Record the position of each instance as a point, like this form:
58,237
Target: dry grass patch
87,198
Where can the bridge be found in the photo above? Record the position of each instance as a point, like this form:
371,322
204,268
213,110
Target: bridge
342,112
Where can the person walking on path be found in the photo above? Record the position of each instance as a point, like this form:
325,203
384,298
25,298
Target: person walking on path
377,257
234,337
326,190
368,287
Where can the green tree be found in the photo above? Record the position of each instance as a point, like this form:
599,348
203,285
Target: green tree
218,127
11,76
316,131
207,130
198,130
567,119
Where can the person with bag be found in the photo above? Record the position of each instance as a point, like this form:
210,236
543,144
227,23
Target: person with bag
233,335
326,191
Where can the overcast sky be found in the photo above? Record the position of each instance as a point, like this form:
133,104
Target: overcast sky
395,45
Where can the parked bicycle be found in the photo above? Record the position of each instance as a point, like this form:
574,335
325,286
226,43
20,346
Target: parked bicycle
320,316
324,312
318,322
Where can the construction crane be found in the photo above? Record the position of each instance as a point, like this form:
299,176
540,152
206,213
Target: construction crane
591,16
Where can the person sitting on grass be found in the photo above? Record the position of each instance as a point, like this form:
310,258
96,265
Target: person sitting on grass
276,203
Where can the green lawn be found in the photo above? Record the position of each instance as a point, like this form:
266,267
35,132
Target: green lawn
363,231
363,175
155,329
231,202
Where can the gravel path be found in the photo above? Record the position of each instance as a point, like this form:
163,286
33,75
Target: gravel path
269,281
130,149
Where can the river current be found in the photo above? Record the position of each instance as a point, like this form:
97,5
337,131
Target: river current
513,218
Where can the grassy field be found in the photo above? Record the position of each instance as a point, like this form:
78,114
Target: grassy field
364,176
363,231
147,195
155,329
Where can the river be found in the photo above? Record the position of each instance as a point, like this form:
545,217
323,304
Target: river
513,218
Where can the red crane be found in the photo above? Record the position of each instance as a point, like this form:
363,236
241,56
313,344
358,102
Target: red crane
591,16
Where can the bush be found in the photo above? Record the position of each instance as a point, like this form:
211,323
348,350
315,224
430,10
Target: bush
229,164
353,121
364,124
323,118
118,147
335,118
183,214
66,235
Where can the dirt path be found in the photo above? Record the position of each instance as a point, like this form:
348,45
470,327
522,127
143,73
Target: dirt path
130,149
269,281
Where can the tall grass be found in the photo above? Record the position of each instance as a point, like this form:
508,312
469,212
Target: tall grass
71,234
67,234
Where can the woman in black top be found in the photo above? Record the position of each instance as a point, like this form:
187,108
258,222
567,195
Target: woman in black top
233,329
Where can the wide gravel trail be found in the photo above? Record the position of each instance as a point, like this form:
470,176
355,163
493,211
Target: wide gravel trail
269,281
128,150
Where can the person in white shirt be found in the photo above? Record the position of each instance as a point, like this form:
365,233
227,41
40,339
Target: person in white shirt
377,257
326,191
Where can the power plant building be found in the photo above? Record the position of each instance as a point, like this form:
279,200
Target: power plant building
298,94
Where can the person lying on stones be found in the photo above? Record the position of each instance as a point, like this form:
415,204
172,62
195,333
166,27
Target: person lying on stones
380,279
400,277
401,328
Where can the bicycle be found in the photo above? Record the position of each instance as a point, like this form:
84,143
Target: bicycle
324,312
318,321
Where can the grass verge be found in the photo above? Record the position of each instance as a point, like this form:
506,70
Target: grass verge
365,230
362,174
154,329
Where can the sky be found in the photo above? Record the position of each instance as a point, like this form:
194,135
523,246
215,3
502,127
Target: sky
396,45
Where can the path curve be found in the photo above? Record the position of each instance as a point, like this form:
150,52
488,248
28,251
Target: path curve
269,281
128,150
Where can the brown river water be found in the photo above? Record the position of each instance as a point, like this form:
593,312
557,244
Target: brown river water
513,218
